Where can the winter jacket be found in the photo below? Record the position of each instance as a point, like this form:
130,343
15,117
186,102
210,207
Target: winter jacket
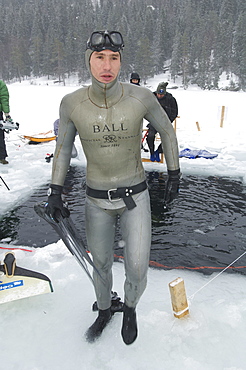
4,98
169,104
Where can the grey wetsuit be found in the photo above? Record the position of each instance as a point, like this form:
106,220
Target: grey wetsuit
109,120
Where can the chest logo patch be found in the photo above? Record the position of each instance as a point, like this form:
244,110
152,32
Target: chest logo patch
109,138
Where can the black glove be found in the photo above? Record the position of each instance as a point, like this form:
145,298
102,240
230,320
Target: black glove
172,186
55,205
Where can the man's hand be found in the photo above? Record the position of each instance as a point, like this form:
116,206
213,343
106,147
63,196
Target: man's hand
8,118
55,203
172,187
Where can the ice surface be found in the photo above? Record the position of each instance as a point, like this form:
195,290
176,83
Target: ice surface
46,332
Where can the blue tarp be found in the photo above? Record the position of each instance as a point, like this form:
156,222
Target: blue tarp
196,153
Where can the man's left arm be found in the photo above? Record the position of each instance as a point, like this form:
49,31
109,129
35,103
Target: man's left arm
159,119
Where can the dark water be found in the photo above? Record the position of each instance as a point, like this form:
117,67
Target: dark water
204,230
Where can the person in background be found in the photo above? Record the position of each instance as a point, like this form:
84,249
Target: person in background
4,108
108,116
135,79
169,104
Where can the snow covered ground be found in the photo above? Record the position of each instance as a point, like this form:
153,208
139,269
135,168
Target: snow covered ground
46,332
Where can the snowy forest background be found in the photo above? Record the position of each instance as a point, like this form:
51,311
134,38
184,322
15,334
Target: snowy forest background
196,40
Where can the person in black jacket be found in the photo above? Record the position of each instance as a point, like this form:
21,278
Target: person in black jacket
170,106
135,79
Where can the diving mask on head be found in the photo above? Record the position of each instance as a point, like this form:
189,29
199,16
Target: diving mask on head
102,40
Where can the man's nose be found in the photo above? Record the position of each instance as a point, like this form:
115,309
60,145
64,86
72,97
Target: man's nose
107,63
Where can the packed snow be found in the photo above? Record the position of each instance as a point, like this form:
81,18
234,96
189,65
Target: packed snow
47,331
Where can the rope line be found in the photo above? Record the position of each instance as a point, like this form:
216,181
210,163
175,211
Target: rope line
216,276
13,249
157,264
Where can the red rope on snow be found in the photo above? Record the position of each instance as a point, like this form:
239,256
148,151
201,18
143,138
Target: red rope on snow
157,264
21,249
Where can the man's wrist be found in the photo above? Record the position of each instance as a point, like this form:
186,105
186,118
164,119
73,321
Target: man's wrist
55,190
173,172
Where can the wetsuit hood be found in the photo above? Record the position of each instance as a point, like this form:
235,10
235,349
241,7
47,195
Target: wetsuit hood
103,95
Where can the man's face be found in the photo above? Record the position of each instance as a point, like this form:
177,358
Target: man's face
134,81
159,96
105,65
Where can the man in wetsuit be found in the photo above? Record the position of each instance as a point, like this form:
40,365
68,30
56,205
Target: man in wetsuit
108,116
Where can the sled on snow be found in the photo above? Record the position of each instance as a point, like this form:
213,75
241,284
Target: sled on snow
42,137
38,140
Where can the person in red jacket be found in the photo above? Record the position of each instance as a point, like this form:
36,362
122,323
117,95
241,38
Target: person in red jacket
4,108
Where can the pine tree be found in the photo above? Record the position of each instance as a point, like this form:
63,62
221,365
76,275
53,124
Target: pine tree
175,61
239,50
199,38
144,62
227,17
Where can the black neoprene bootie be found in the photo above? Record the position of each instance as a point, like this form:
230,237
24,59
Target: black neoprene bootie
95,330
129,329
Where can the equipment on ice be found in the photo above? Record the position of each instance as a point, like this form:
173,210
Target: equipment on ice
4,183
17,282
9,125
66,229
116,303
196,153
49,157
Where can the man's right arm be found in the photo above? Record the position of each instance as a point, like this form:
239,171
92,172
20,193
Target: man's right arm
64,144
61,161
